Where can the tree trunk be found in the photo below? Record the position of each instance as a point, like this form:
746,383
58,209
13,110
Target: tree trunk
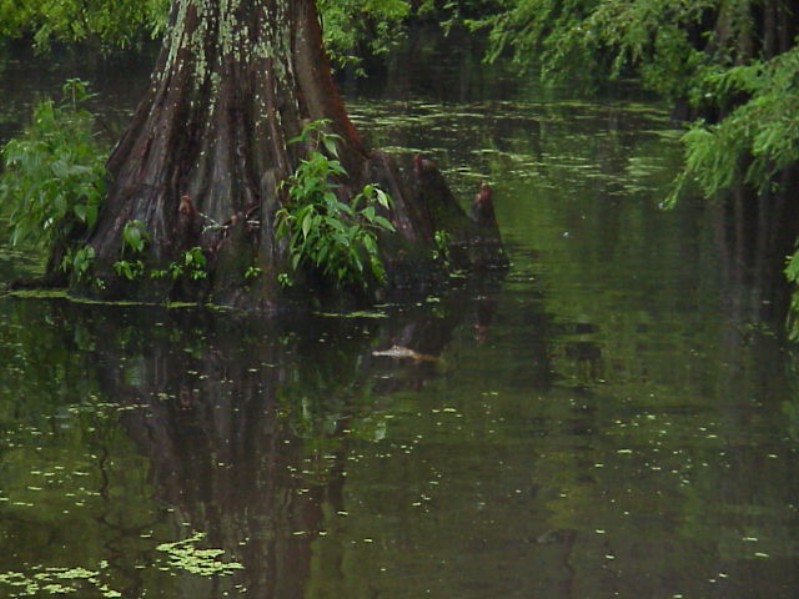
201,163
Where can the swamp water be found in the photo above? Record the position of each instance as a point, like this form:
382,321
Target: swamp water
610,419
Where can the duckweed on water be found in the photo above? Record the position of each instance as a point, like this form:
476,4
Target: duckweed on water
42,581
185,555
375,314
55,581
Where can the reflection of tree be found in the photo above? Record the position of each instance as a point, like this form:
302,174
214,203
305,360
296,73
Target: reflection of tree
753,239
429,65
246,425
221,454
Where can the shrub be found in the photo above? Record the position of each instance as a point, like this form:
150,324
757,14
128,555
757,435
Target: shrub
54,175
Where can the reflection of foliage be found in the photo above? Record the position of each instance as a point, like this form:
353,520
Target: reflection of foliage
791,411
55,443
327,423
329,397
441,241
790,407
792,273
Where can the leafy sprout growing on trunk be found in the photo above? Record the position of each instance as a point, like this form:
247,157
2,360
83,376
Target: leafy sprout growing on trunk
338,239
134,240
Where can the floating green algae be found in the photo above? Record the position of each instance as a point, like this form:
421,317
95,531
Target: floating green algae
186,555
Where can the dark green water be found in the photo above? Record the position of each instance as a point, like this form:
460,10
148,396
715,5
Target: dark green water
612,419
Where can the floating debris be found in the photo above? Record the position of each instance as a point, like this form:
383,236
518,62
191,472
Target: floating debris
400,353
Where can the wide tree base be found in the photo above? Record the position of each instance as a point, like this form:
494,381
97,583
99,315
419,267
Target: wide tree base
435,240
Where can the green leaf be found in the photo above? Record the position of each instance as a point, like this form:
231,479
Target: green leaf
91,215
382,198
307,223
80,211
330,145
60,169
384,223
